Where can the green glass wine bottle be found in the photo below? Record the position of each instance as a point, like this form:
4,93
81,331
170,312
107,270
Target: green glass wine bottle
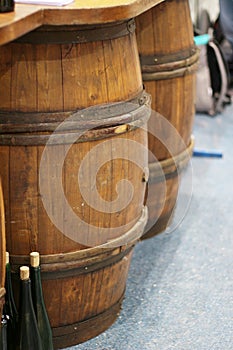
3,333
29,336
38,302
10,309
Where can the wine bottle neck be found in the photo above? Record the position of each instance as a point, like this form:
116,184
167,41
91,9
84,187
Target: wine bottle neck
26,297
8,280
10,307
36,281
29,337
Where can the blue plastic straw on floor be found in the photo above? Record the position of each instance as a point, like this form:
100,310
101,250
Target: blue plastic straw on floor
207,153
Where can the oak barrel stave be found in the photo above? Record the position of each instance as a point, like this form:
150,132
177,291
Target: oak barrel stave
46,83
169,61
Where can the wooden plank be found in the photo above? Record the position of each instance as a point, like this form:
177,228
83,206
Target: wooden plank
5,77
49,78
23,86
25,18
23,200
95,12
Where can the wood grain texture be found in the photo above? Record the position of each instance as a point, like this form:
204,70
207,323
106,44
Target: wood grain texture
162,192
165,42
25,18
49,78
83,291
173,98
49,81
69,77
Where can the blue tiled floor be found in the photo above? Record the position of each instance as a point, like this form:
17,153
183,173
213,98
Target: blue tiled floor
180,286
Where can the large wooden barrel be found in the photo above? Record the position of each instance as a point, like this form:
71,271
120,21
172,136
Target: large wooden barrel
50,77
2,251
168,61
84,289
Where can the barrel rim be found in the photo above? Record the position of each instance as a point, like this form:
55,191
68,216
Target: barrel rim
172,57
92,123
156,70
86,257
170,166
77,34
76,333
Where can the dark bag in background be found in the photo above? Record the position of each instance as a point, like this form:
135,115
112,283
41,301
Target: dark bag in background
225,45
213,77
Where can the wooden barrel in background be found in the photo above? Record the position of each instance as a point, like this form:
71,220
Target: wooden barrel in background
168,61
2,251
48,76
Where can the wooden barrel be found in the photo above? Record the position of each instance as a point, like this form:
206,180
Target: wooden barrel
50,77
2,251
84,289
168,61
163,190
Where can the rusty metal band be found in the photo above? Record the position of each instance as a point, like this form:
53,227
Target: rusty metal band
59,271
56,266
77,34
171,166
93,123
159,59
159,70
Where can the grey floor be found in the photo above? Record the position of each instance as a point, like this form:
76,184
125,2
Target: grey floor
180,285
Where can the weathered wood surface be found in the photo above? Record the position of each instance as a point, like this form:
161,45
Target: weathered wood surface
169,61
42,84
28,17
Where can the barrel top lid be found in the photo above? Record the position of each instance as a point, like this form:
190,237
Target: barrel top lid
24,273
34,259
29,17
